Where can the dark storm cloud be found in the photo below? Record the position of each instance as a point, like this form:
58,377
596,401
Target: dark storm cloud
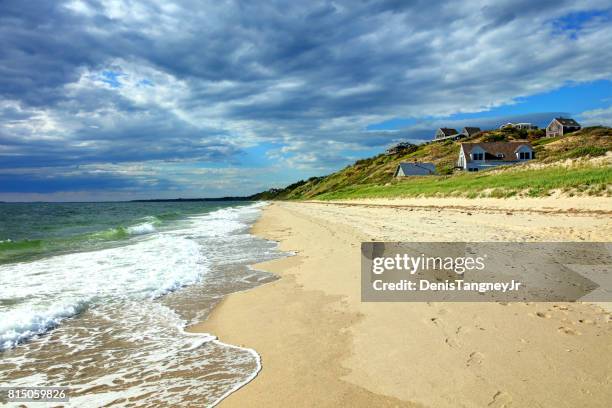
85,82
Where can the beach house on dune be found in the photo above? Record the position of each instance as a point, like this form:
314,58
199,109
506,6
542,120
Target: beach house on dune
414,169
561,126
469,131
481,156
443,133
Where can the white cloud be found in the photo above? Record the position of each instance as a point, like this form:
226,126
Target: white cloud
597,117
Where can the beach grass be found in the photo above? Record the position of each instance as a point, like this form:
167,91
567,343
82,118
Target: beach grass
592,180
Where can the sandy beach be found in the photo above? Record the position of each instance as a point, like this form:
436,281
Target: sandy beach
321,346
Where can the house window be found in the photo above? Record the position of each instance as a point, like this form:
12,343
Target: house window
477,156
473,169
500,155
524,155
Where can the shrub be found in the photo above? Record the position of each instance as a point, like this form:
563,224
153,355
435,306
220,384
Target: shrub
495,137
514,133
536,134
583,151
446,169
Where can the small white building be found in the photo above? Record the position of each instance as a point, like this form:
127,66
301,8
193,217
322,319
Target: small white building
414,169
526,126
481,156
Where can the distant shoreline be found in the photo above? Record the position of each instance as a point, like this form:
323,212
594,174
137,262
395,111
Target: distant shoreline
174,200
152,200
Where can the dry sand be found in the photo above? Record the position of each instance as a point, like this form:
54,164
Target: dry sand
321,346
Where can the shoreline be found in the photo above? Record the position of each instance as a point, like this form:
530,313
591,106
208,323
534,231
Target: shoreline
319,345
245,382
193,330
240,319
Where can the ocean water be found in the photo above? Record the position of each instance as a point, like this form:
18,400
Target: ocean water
96,297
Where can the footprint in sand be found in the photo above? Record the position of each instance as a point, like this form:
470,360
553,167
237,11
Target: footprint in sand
450,342
501,399
569,331
543,315
476,358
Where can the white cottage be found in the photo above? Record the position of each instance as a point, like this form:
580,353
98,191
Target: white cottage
481,156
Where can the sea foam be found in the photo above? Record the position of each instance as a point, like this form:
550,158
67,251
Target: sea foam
23,323
44,292
49,290
140,229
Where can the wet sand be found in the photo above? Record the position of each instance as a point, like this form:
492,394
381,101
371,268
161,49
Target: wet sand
321,346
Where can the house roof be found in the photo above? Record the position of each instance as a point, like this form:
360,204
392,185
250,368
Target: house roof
470,130
448,131
567,121
493,149
408,167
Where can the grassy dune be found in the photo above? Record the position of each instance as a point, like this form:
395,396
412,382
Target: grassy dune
587,179
373,177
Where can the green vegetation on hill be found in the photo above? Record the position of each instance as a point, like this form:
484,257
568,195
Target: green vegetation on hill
373,177
487,184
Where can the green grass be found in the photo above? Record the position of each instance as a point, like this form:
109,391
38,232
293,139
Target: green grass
532,182
544,141
583,151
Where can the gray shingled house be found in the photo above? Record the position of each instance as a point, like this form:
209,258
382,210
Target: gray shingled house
414,169
561,126
442,133
469,131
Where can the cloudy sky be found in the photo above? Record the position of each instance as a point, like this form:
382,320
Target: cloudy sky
111,99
